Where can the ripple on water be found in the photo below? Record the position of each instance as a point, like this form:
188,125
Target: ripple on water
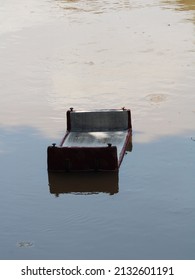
157,98
99,7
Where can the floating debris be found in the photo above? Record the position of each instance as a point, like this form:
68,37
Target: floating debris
24,244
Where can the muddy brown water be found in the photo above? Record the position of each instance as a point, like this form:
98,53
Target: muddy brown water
98,54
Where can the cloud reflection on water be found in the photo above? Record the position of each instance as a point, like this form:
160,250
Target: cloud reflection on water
123,57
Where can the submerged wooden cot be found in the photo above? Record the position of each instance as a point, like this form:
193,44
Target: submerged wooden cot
94,141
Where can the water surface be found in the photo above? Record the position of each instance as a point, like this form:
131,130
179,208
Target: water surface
58,54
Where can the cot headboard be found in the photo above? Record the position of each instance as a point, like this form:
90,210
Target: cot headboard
102,120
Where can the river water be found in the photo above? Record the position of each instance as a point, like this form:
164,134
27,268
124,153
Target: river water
57,54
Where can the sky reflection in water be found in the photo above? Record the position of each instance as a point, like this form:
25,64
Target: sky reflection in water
131,54
150,217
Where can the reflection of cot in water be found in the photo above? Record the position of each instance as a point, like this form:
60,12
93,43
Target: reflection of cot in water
94,141
83,182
